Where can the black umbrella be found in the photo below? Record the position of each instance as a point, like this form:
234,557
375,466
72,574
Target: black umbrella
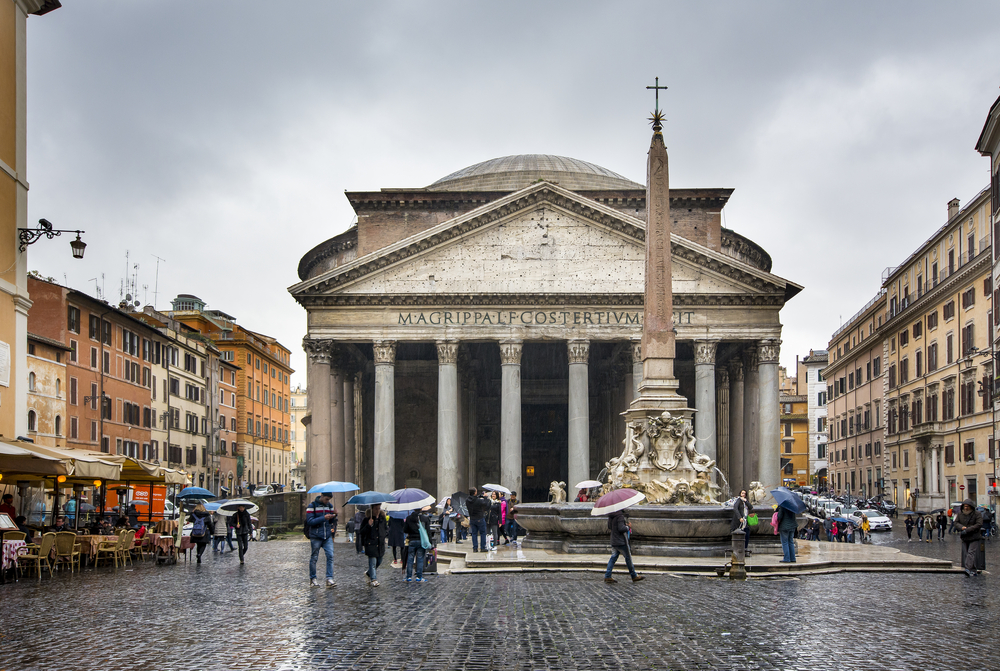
458,500
937,510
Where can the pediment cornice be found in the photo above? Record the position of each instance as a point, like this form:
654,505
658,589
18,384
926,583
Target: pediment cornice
519,300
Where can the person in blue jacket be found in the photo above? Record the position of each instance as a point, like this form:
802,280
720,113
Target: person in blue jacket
321,519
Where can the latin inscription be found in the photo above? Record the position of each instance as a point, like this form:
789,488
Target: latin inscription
529,318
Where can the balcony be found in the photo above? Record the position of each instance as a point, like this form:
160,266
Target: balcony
928,429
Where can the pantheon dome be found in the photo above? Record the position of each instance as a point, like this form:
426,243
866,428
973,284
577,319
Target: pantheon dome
510,173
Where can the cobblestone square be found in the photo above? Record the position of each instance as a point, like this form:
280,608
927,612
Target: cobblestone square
264,615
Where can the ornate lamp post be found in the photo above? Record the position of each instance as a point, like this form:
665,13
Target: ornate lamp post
28,236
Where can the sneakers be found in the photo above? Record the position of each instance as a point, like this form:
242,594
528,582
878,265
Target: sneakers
610,580
421,580
329,582
375,583
314,583
409,580
637,578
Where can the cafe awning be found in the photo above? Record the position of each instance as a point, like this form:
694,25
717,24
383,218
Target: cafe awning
19,463
85,465
138,470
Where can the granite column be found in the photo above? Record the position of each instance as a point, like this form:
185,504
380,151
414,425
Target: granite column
579,414
385,415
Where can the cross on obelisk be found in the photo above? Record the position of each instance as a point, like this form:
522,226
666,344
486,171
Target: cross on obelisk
656,88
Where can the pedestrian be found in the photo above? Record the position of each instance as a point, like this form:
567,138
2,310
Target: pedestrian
502,528
987,522
397,540
929,526
835,530
742,509
359,519
373,534
493,520
320,515
219,532
909,528
942,525
418,529
620,532
511,522
969,523
478,509
202,528
349,528
241,525
849,532
787,525
920,528
866,529
951,516
828,528
447,521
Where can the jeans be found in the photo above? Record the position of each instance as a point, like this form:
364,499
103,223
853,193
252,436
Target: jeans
217,541
788,545
969,551
327,545
512,530
242,540
620,550
920,533
417,554
941,530
478,529
373,563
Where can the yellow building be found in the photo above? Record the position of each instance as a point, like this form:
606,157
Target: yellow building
936,347
14,301
794,439
49,388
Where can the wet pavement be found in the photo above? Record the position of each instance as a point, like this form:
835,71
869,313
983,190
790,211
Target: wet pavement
264,615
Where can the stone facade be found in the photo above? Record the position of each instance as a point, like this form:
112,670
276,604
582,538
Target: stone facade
499,341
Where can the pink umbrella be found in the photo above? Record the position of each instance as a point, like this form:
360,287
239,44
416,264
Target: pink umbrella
616,500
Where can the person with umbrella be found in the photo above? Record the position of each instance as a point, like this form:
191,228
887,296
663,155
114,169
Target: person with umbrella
969,523
614,504
373,533
418,528
909,528
319,518
942,524
478,508
202,528
240,524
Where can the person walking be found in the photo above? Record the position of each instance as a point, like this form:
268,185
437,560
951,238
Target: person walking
320,516
359,519
502,527
478,509
418,530
511,522
241,525
787,525
620,530
447,521
202,528
969,523
909,528
920,528
742,509
397,540
866,529
942,525
929,526
219,532
493,520
373,534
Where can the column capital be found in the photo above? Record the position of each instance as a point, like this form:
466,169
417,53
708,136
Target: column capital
447,351
319,351
510,352
704,351
736,369
722,376
578,350
768,351
751,359
636,351
385,351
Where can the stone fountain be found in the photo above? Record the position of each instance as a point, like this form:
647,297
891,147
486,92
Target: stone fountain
683,516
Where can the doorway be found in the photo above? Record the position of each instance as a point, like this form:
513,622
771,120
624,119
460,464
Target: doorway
544,449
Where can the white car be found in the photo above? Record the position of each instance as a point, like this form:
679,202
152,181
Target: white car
877,520
261,491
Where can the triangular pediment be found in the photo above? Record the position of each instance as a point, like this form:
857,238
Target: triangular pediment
541,240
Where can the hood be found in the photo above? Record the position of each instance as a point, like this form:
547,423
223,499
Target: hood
201,513
970,503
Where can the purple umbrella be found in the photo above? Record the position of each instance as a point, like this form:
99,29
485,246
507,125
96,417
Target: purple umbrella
616,500
409,499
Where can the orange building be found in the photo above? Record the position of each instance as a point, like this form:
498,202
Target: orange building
263,445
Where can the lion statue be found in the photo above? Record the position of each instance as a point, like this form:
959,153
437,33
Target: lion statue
756,492
557,492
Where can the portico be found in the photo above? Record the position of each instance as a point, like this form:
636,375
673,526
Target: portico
502,343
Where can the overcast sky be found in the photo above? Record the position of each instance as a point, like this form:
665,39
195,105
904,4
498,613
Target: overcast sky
221,136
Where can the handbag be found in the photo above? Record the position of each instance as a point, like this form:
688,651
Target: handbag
425,541
465,522
752,519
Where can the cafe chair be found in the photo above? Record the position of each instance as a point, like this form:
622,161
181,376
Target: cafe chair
37,554
110,550
127,546
14,536
68,551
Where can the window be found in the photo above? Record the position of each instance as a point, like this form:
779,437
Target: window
73,319
948,404
904,338
968,399
31,382
948,311
32,421
877,366
932,407
906,458
58,425
918,330
968,298
904,371
850,380
968,450
920,364
892,376
821,398
932,321
932,352
949,348
72,391
93,431
968,339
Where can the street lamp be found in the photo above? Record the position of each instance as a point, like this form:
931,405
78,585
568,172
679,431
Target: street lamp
29,236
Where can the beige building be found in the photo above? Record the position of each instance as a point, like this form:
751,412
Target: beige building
48,392
936,343
989,146
299,410
854,459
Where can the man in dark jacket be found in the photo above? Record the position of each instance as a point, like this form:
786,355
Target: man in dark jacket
241,525
619,546
411,527
478,509
373,532
320,516
969,523
787,526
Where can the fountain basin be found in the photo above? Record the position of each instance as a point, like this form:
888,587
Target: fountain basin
661,530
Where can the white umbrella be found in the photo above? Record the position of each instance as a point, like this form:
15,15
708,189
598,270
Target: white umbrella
617,500
587,484
496,488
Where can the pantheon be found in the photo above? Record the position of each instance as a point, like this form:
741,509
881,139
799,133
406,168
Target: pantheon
486,328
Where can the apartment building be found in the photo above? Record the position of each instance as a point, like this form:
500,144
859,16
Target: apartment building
937,341
48,390
855,456
794,418
810,382
989,145
299,410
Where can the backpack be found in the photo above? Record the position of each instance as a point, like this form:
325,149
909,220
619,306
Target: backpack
774,522
200,526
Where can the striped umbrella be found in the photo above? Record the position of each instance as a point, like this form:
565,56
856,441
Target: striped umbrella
616,500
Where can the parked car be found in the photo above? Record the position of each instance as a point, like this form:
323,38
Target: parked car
263,491
826,507
877,520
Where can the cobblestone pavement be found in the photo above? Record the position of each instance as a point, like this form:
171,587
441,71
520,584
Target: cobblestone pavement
220,615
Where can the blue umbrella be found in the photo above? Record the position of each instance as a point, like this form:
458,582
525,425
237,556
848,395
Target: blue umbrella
409,499
195,493
787,499
334,486
843,520
369,499
214,505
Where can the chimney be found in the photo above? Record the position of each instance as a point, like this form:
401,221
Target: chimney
953,207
